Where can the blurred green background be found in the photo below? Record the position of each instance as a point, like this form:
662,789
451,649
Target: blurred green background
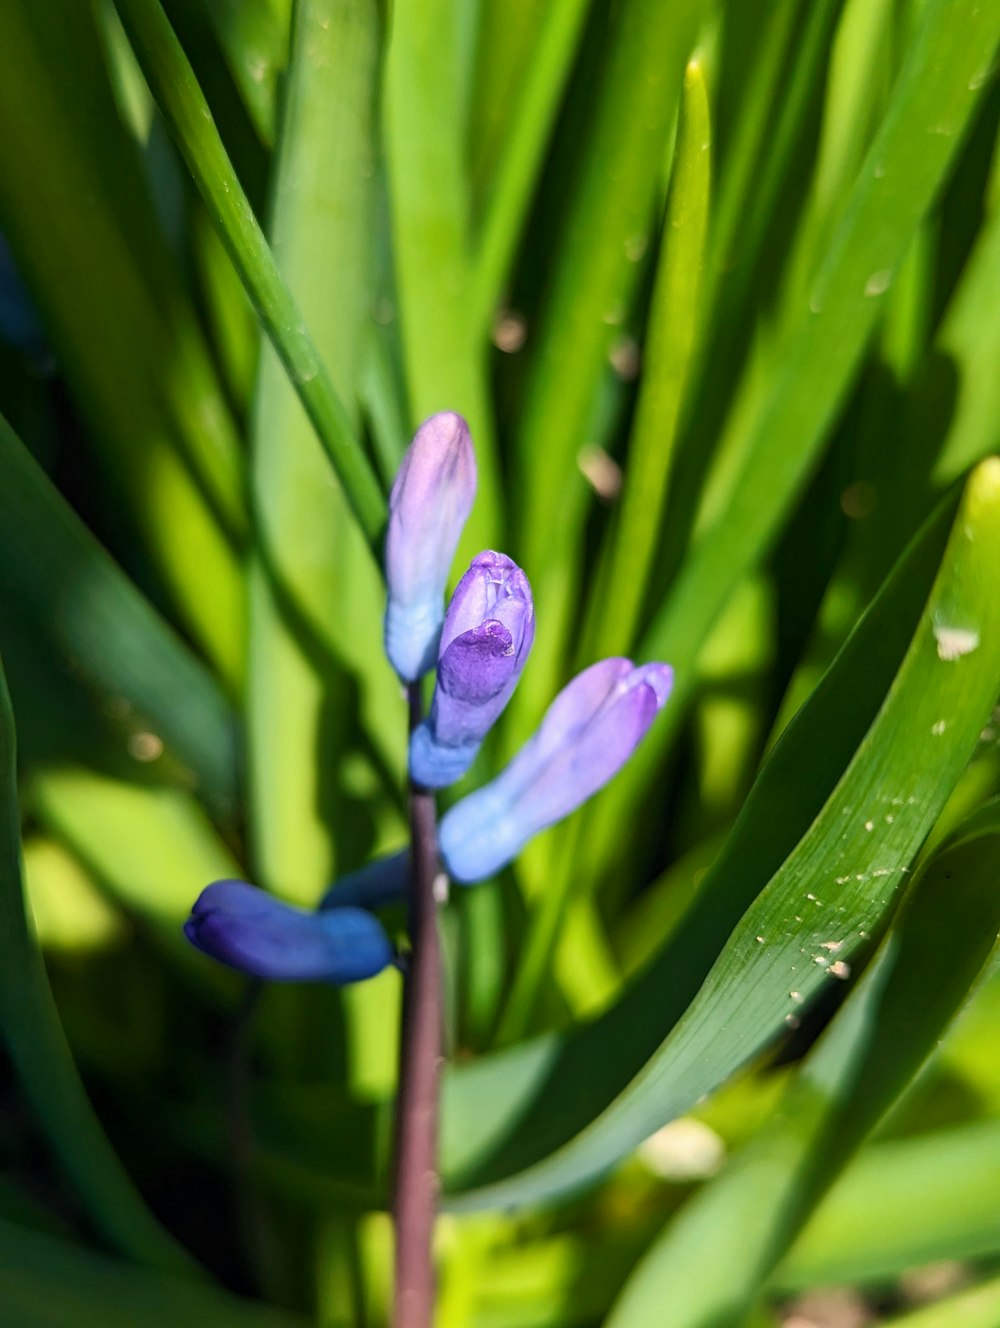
717,285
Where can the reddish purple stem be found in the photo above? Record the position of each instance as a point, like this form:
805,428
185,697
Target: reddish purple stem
416,1175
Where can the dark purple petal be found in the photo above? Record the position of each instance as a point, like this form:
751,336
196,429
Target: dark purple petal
481,662
248,929
428,507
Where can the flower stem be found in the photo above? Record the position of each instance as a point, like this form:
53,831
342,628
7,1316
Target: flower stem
416,1178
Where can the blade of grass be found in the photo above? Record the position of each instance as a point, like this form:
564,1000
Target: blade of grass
57,575
444,348
113,302
889,1024
605,233
46,1280
902,1204
906,461
670,337
253,35
316,597
814,363
151,848
43,1061
185,110
978,1307
969,340
737,246
525,138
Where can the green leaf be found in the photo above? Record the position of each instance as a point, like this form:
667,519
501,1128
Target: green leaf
444,347
714,1257
547,45
624,576
605,232
45,1281
979,1307
153,849
316,596
968,342
187,113
902,1204
43,1061
778,437
670,337
74,206
562,1124
59,578
253,35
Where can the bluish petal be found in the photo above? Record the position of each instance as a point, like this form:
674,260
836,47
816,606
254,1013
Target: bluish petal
428,507
384,881
479,835
248,929
586,736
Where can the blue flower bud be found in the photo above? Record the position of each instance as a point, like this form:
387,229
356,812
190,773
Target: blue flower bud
246,928
384,881
429,504
588,733
485,641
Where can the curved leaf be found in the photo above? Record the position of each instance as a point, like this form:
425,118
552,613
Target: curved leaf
46,1281
55,573
43,1060
185,110
835,887
902,1204
739,1225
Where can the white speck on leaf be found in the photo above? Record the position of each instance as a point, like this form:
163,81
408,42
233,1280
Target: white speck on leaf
954,642
879,282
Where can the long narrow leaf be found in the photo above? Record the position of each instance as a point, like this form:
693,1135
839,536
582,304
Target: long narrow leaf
878,1040
184,108
835,886
54,572
45,1281
814,362
43,1060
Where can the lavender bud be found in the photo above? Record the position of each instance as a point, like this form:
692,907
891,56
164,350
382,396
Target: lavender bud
428,506
485,641
588,733
246,928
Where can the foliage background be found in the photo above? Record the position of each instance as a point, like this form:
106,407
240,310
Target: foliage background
726,330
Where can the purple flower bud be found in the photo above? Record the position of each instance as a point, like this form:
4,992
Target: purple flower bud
248,929
588,733
429,504
378,883
485,641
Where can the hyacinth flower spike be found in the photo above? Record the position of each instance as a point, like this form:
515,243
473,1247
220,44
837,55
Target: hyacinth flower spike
429,504
588,733
248,929
487,635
